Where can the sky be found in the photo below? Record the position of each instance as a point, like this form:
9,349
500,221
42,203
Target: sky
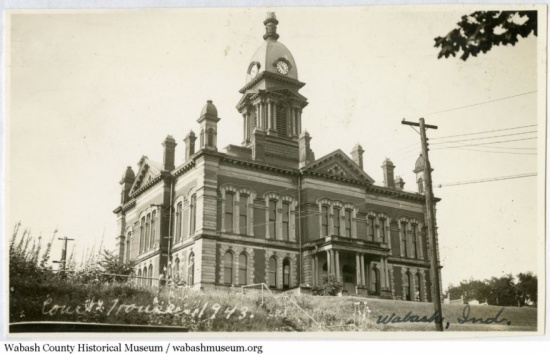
89,93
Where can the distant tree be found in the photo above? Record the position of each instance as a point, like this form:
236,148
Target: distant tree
527,288
470,290
481,30
503,291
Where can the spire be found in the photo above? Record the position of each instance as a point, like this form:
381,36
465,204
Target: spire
271,26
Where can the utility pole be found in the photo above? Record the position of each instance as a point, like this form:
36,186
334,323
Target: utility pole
430,220
63,260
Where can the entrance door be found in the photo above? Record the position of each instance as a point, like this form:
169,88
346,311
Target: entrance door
348,277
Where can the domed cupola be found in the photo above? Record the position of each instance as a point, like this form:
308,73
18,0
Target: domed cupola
272,56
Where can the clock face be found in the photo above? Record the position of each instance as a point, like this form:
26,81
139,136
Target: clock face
282,67
254,71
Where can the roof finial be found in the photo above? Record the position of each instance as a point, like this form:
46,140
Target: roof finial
271,26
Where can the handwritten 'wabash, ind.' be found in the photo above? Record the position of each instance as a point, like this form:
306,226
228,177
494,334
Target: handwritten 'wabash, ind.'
116,308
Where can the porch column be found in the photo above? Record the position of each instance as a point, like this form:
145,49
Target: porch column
314,270
358,270
329,263
337,265
362,259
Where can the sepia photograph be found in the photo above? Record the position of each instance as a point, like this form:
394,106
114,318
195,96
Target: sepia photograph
338,172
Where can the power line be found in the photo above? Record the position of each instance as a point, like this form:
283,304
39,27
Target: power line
486,131
487,137
481,103
493,142
501,178
500,152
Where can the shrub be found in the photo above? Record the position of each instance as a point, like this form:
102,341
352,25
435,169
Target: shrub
330,286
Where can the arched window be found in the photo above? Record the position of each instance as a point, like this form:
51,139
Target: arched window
142,235
324,220
210,137
193,215
191,269
408,286
286,273
147,230
417,296
144,279
228,268
128,239
336,221
348,214
272,275
282,121
152,241
229,206
404,251
382,230
179,211
370,233
176,268
243,269
414,244
138,280
150,275
286,221
375,280
243,214
273,219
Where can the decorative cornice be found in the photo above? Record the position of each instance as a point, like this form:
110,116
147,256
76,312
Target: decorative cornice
274,77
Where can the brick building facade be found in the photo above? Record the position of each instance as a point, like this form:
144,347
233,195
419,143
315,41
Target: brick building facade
267,211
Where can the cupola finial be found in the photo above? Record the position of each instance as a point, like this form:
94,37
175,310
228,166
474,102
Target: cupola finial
271,26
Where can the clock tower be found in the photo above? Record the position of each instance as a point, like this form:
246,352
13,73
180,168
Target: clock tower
271,105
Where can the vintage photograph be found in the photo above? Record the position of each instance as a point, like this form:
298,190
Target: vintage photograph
263,170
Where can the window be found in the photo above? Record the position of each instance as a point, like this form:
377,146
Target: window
193,216
179,216
272,275
139,278
152,240
336,221
243,269
414,245
370,232
408,286
375,280
348,222
210,137
176,268
191,269
243,213
404,239
142,235
128,239
417,287
150,275
229,205
228,268
282,123
286,273
273,218
324,220
144,279
286,221
383,230
147,230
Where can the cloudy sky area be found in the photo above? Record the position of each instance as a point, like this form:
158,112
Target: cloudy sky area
92,92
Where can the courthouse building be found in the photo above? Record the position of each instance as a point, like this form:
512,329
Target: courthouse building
267,210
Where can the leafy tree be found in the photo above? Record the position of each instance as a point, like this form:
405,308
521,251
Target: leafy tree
111,264
527,288
481,30
503,291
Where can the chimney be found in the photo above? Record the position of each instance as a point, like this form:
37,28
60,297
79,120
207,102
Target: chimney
189,142
399,183
169,153
306,154
357,155
387,168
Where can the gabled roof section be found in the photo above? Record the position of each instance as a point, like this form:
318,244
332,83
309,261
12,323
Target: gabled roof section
338,164
148,171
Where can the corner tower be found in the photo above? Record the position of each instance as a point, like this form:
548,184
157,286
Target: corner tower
271,105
